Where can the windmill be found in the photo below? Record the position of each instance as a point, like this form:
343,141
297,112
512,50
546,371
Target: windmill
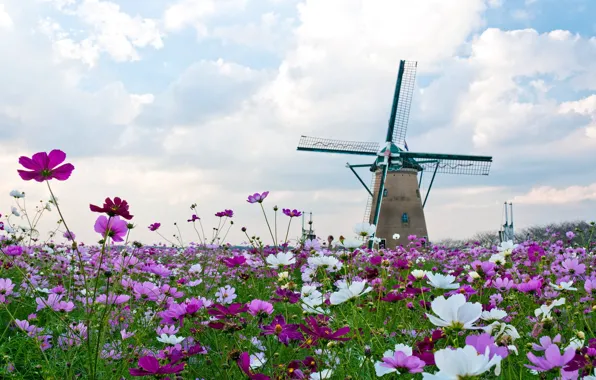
397,172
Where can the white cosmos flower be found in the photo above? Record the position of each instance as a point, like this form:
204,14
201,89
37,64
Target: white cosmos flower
563,286
396,236
355,289
17,194
545,310
493,315
381,370
455,312
501,329
461,363
14,211
257,360
506,247
418,273
321,375
498,259
365,229
330,263
441,281
170,339
280,260
351,243
196,268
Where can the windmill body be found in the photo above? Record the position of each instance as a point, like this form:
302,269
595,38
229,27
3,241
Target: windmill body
395,204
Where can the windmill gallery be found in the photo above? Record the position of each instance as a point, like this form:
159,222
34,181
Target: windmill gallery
396,172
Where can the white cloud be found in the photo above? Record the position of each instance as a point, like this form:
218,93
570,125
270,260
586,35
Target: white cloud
195,13
551,195
109,31
5,19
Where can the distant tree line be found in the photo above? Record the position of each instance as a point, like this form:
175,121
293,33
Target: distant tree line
585,235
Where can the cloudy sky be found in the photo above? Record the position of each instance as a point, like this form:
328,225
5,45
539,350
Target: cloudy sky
172,102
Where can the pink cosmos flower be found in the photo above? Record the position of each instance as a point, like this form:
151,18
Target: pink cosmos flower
258,307
552,358
257,198
43,166
154,226
69,235
117,207
146,291
6,287
291,213
115,228
234,261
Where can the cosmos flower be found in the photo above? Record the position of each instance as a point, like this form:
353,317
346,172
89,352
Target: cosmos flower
461,363
552,358
365,229
355,289
17,194
455,312
259,307
170,339
280,260
257,198
43,166
291,213
440,281
69,235
284,331
117,207
399,359
149,366
154,226
115,228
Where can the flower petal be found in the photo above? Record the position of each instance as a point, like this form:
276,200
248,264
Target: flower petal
55,158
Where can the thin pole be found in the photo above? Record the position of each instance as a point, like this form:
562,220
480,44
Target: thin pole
359,179
431,184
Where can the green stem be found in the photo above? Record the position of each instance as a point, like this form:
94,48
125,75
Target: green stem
269,226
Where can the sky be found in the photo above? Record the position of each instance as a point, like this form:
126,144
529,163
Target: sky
170,103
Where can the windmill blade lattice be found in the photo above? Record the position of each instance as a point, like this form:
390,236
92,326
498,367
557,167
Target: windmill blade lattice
317,144
404,103
451,163
369,201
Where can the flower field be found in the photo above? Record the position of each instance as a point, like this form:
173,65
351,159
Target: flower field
280,309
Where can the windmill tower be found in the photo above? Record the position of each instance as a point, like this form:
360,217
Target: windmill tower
395,204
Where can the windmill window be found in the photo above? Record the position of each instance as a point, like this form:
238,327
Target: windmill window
405,218
384,193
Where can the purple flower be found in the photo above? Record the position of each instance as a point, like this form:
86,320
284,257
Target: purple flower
482,341
400,360
226,295
6,287
43,166
69,235
570,235
257,198
234,261
13,250
244,365
546,342
118,207
149,366
286,295
154,226
552,358
291,213
115,228
572,266
258,307
193,218
284,332
317,331
228,213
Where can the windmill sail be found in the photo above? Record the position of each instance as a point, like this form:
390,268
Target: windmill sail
451,163
317,144
369,201
403,97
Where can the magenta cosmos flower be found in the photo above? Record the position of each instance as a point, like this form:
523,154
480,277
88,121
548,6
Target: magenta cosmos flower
43,166
257,198
115,228
149,366
154,226
291,213
113,208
